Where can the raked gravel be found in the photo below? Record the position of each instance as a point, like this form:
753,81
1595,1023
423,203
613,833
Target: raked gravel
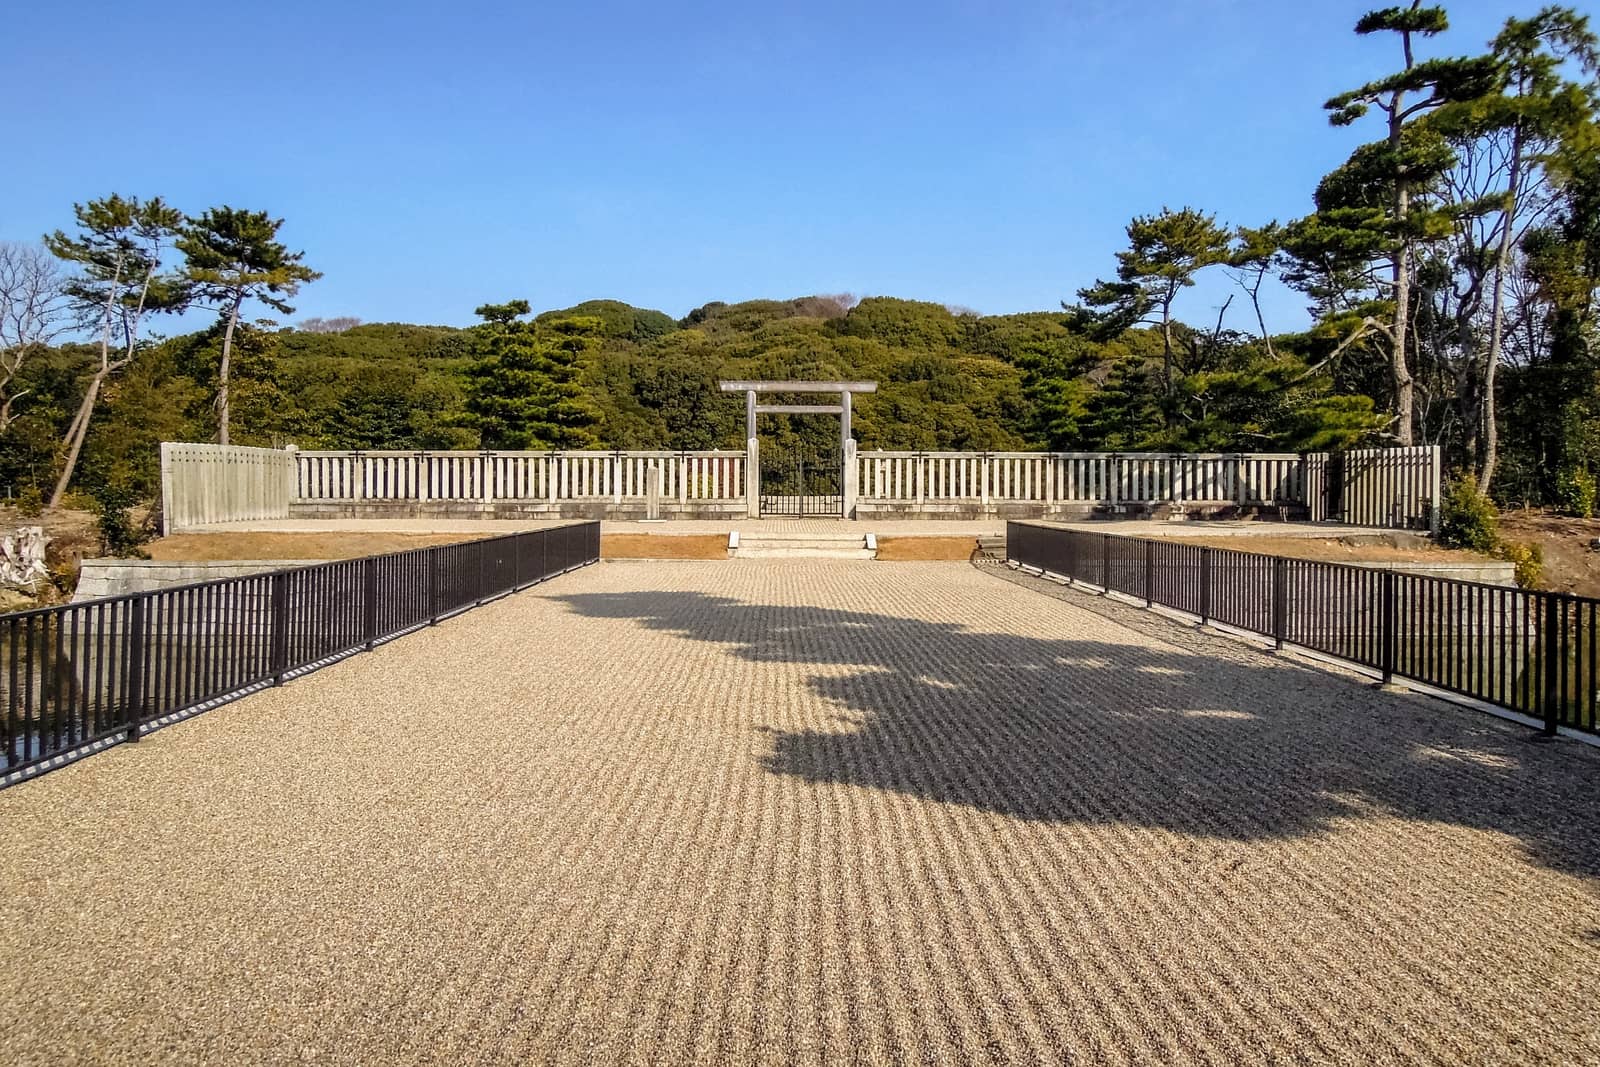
808,812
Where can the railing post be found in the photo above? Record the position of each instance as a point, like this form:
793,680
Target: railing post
280,626
483,581
1280,600
1149,573
434,555
1387,614
135,709
1105,565
1553,696
1205,585
369,583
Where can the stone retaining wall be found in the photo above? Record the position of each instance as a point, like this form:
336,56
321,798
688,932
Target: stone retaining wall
118,577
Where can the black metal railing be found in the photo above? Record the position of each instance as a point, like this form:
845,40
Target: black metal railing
81,676
1533,652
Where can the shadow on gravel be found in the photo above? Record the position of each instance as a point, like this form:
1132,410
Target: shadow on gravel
1120,732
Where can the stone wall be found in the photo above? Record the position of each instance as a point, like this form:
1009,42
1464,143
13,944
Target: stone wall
117,577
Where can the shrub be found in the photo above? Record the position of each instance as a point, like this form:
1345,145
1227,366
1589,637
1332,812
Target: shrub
1528,559
30,502
1575,492
120,535
1468,518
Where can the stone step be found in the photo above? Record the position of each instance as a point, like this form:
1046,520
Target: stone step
801,541
746,551
819,545
992,546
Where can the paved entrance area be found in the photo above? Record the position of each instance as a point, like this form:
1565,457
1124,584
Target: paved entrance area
816,813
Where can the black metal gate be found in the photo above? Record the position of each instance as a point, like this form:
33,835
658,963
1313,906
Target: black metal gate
802,480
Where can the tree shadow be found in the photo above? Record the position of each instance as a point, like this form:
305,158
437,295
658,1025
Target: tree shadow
1108,732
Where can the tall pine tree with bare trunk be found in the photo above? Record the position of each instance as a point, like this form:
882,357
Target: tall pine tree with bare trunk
1164,254
118,252
1402,166
235,256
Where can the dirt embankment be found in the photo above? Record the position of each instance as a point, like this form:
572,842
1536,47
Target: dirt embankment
1571,563
905,549
333,545
1401,548
660,546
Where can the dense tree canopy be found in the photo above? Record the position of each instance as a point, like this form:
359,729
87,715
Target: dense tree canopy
605,374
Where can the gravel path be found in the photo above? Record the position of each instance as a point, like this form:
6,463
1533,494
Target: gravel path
808,812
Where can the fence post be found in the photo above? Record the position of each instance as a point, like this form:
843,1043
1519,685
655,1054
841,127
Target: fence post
1205,585
280,626
517,540
135,711
1105,565
369,582
1280,600
1149,573
1435,511
1386,626
434,555
483,582
1553,696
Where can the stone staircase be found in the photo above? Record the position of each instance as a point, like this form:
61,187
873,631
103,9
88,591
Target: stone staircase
992,548
801,545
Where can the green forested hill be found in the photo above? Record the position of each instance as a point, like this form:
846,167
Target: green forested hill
645,380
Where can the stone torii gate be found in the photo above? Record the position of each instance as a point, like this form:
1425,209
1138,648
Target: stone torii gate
847,444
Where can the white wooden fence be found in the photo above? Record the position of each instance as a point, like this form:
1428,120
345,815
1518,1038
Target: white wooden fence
1395,487
1390,487
1079,477
532,477
223,483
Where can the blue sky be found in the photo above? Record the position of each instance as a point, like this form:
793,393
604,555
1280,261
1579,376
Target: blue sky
430,157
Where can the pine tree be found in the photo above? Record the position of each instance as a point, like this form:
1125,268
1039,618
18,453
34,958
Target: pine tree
118,254
1164,254
1365,208
525,391
235,256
